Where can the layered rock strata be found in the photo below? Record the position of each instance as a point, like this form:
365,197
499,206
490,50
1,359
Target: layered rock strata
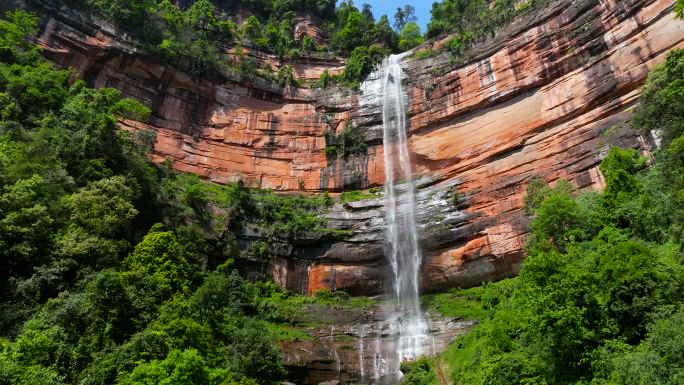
357,347
546,96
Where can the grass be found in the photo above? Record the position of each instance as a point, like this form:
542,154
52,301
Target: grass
284,308
428,53
355,196
285,333
464,353
464,303
346,338
326,298
464,360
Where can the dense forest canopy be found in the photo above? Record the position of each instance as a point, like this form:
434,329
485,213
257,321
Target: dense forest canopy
84,300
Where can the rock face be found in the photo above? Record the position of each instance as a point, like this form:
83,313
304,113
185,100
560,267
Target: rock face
547,96
357,346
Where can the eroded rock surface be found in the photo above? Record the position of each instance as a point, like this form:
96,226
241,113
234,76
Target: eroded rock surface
547,96
357,347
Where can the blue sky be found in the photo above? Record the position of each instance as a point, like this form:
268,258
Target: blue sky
389,8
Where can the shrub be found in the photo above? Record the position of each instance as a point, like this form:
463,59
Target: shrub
349,142
410,37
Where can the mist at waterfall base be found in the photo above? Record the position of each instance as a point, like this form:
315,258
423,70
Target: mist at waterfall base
405,330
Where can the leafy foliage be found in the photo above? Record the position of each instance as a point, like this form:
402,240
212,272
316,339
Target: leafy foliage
186,367
159,257
85,297
418,372
469,20
196,40
404,16
86,300
538,190
598,300
348,142
410,37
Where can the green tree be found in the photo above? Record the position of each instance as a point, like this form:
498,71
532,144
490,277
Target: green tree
558,220
565,312
324,81
538,190
658,107
104,207
418,372
404,16
179,368
14,38
110,306
170,13
159,256
383,35
175,321
254,355
194,194
252,28
26,227
361,63
625,159
275,39
367,12
343,11
31,90
127,11
351,36
286,77
98,213
636,288
286,31
13,373
201,14
410,36
221,294
308,44
666,338
622,186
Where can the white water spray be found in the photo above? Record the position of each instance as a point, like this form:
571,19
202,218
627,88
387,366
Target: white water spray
338,369
407,324
361,330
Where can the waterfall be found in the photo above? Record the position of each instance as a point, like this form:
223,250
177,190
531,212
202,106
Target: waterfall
361,330
338,369
403,251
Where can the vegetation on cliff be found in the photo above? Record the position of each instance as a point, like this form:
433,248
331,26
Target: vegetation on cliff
469,20
348,142
210,34
200,38
85,297
599,299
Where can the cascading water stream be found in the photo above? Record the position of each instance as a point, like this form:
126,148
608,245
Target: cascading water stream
407,326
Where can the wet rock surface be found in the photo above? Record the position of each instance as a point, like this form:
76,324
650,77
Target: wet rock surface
546,96
357,347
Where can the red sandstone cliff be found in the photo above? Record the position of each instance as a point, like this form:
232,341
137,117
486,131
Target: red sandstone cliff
547,96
